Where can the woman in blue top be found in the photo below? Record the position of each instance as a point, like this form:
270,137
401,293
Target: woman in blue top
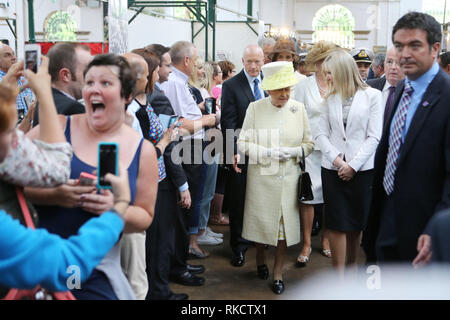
22,249
109,84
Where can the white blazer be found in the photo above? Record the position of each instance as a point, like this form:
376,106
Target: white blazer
359,141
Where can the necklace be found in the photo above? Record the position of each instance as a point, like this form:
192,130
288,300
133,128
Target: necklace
321,90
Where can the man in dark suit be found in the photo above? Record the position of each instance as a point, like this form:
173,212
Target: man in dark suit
237,93
387,84
435,242
180,271
412,162
67,62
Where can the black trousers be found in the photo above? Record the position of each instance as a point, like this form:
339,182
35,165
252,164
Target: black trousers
161,239
238,182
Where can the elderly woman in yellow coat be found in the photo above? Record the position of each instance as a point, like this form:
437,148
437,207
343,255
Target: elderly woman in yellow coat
274,135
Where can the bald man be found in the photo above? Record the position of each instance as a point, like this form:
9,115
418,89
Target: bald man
237,93
393,75
140,121
7,59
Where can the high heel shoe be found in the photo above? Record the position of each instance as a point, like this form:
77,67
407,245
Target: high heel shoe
277,286
325,252
263,272
303,260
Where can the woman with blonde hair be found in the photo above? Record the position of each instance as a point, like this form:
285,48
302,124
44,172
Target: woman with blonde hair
311,92
349,132
275,135
196,83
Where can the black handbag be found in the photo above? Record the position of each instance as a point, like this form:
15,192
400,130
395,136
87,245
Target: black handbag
304,183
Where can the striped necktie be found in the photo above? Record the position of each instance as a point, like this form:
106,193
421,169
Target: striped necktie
395,139
256,91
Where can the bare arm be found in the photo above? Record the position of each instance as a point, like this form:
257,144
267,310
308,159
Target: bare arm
50,128
139,216
193,126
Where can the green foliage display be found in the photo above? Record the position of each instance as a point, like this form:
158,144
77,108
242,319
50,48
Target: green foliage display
61,26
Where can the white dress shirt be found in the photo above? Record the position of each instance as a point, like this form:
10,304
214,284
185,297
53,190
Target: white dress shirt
177,91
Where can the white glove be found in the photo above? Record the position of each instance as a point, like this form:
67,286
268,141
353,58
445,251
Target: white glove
289,153
276,154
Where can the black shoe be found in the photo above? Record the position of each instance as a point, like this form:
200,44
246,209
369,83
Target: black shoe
315,231
238,259
278,286
188,279
195,269
263,272
178,296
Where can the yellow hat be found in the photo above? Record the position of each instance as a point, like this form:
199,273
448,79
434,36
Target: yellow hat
278,75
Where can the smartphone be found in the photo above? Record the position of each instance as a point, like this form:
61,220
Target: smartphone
28,101
167,121
20,115
86,179
210,105
108,162
32,57
172,120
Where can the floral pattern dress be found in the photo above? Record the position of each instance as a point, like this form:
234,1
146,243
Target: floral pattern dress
36,163
156,133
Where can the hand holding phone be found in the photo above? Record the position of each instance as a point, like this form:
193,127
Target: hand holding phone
167,121
108,157
39,82
32,57
86,179
210,105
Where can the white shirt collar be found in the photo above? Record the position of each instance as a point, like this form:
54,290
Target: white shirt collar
179,74
250,79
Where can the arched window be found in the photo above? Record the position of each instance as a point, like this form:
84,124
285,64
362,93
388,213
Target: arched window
334,23
60,26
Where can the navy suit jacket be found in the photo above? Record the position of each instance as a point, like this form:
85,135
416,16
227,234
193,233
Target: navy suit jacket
377,83
438,229
236,96
159,102
422,178
64,105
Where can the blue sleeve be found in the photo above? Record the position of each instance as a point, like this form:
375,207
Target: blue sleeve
31,257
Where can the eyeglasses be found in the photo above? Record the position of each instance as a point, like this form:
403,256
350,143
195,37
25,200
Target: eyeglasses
391,63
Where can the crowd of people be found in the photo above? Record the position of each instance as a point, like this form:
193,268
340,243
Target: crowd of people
373,132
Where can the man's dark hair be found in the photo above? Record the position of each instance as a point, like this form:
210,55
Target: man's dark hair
127,76
159,50
445,59
62,55
422,21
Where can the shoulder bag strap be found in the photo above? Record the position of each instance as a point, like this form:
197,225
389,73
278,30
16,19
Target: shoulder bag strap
24,207
302,162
